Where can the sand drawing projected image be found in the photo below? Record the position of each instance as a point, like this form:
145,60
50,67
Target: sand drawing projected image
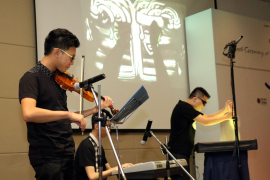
142,39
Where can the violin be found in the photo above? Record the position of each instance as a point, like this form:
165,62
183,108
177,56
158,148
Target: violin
67,81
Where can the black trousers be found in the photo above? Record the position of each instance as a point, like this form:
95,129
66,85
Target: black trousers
182,175
55,171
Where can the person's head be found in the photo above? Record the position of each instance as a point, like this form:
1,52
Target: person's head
198,98
95,124
61,44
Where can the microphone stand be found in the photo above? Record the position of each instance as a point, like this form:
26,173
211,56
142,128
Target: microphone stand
231,55
103,118
89,87
150,133
100,160
167,163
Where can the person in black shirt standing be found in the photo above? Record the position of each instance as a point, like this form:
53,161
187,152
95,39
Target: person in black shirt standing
86,166
183,124
44,109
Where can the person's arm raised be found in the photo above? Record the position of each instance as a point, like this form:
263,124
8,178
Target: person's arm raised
228,106
104,104
212,120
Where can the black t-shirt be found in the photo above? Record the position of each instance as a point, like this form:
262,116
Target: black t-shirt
182,132
53,141
85,156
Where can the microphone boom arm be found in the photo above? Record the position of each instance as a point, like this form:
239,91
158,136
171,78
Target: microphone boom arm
171,155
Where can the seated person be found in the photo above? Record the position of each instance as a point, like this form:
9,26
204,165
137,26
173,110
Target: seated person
86,166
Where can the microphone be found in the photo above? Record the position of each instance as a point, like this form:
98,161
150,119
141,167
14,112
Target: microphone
92,80
233,43
146,133
238,40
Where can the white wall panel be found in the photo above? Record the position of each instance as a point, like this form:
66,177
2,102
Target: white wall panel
209,68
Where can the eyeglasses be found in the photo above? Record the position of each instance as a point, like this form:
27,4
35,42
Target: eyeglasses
72,57
203,101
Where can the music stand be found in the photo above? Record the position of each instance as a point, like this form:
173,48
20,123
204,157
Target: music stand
134,102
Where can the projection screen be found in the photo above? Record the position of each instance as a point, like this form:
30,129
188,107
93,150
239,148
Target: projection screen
133,42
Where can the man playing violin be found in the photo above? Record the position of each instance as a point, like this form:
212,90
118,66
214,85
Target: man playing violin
44,109
183,123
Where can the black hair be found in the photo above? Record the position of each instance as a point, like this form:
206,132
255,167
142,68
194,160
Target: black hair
95,116
60,38
199,92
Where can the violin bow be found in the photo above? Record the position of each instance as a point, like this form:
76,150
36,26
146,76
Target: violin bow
81,90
